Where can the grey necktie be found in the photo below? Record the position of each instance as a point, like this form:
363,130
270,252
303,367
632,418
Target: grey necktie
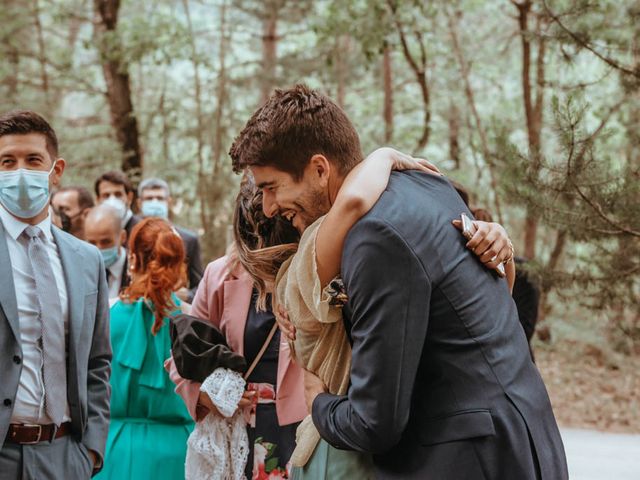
54,372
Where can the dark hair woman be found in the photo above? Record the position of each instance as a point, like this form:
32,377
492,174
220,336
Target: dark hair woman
149,422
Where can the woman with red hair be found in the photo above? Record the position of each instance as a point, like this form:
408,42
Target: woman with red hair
149,422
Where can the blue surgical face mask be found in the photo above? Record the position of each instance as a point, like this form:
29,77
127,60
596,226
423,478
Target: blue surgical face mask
110,255
155,208
24,193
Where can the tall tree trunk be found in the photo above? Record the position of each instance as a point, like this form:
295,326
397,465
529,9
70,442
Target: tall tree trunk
197,86
269,48
116,76
454,135
221,90
419,67
387,76
12,38
479,127
75,23
533,108
341,53
42,59
11,80
162,110
552,265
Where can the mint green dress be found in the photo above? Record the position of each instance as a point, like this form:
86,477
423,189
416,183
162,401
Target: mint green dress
149,421
327,463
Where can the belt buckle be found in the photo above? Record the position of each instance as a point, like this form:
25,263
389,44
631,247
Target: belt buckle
39,437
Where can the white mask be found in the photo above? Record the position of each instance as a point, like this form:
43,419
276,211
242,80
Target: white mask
118,205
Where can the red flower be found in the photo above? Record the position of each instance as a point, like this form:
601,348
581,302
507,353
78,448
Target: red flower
260,474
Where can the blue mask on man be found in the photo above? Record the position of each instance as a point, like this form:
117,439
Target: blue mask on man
24,193
155,208
110,255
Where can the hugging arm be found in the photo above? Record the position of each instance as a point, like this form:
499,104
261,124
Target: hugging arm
389,294
491,244
359,192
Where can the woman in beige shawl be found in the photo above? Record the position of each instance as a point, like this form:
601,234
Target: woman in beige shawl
300,284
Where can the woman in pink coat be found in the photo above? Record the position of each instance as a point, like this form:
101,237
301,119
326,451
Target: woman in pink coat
274,401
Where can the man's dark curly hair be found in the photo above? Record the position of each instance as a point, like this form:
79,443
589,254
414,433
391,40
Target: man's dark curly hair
291,127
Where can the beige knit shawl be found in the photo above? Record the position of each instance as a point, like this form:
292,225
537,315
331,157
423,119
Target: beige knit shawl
321,344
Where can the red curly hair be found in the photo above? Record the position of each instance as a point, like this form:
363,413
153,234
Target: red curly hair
159,262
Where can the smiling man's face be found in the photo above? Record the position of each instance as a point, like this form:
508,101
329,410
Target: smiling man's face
301,202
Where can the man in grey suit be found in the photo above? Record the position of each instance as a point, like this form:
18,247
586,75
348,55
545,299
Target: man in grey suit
54,332
442,383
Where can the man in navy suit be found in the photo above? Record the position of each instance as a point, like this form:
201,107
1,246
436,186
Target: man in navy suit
442,383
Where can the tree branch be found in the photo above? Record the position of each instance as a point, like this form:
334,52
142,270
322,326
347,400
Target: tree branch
584,44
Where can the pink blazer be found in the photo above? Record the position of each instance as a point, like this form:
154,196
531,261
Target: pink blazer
224,297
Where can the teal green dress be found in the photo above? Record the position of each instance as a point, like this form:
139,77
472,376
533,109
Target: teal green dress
149,421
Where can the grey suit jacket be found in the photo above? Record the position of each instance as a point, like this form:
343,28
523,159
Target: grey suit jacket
89,360
442,383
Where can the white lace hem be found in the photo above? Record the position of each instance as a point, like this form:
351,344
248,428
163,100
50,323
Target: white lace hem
218,447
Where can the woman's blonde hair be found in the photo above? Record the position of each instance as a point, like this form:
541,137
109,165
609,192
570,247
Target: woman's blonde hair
261,244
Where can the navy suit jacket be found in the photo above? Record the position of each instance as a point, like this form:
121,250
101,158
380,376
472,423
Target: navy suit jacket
193,259
442,383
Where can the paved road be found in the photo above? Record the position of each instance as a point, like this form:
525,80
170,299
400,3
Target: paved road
596,455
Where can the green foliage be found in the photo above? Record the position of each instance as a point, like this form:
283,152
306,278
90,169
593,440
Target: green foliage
587,188
590,195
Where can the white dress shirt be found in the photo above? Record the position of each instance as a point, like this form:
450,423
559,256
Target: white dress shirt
116,273
29,404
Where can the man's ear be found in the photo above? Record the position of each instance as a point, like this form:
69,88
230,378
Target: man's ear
139,204
321,168
58,170
129,199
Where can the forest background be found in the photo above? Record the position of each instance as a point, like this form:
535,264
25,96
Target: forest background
533,105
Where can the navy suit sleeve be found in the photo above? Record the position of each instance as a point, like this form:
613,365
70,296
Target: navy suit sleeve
389,293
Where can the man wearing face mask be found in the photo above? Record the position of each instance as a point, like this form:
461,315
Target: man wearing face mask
115,189
54,319
154,200
72,205
103,229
